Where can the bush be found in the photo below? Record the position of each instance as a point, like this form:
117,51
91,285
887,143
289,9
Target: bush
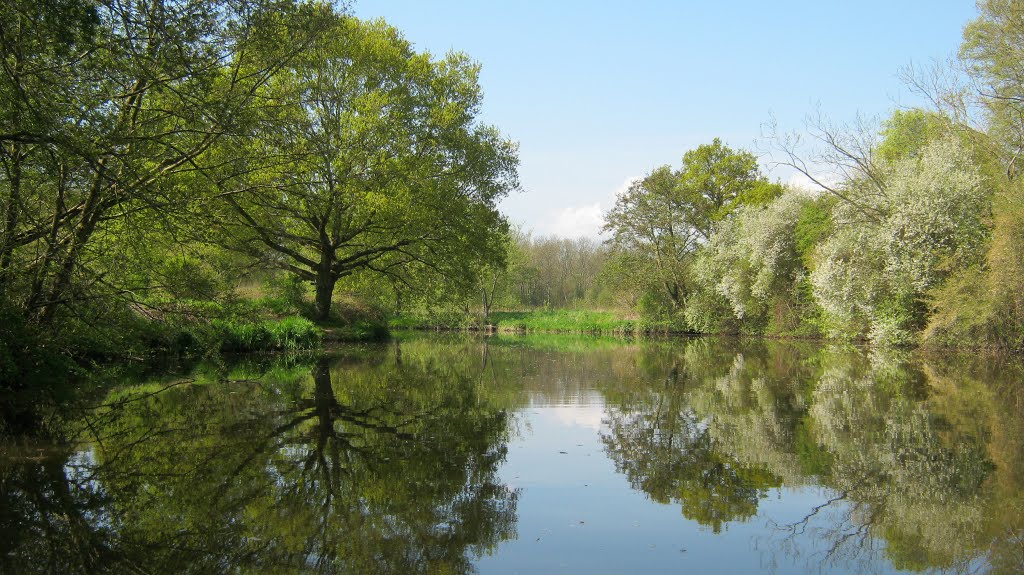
289,334
294,333
28,357
872,274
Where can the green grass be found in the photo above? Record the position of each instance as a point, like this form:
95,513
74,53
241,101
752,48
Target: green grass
358,331
567,321
548,321
564,342
287,334
448,320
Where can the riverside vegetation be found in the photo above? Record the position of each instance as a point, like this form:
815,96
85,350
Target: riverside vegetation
185,177
185,181
912,235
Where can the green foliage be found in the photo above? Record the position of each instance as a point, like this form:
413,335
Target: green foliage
709,312
980,305
289,293
992,50
715,180
189,278
872,273
108,111
556,272
812,226
907,133
137,144
983,305
28,356
371,162
871,259
747,270
288,334
359,331
795,312
192,328
662,219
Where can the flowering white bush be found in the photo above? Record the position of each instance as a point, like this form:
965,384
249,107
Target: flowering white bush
752,258
873,271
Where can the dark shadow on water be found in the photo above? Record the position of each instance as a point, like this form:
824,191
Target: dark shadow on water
329,467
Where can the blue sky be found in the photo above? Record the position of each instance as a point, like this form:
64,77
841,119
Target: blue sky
597,93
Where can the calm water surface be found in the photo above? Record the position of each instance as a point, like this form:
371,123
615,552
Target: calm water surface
538,455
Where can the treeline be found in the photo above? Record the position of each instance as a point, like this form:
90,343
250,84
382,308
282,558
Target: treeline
538,273
157,155
187,175
916,234
917,242
912,232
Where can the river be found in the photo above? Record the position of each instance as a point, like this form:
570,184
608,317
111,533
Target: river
544,454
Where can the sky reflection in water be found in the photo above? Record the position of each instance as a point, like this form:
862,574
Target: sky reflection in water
574,455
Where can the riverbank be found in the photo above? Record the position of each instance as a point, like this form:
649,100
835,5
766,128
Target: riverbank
547,321
179,329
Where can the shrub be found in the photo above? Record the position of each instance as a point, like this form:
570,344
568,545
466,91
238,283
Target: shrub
289,334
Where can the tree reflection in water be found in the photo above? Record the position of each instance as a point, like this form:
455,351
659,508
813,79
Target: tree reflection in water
386,461
360,466
921,460
668,451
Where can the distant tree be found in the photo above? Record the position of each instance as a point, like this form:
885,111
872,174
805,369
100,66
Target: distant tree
662,219
992,51
497,283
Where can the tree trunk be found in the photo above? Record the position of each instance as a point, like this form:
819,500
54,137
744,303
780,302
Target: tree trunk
92,211
486,304
42,270
62,282
324,295
675,294
11,218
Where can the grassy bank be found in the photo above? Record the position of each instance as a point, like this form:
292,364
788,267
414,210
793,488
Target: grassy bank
180,328
565,321
548,321
284,334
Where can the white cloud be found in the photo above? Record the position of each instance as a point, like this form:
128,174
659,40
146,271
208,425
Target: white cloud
580,416
801,181
624,187
583,221
575,222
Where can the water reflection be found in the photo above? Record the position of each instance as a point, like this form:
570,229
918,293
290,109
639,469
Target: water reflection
355,466
921,461
388,460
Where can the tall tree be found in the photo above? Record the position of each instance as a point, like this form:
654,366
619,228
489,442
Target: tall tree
662,219
104,107
993,52
372,161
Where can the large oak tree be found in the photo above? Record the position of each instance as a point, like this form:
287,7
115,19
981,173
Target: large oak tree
104,108
371,159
